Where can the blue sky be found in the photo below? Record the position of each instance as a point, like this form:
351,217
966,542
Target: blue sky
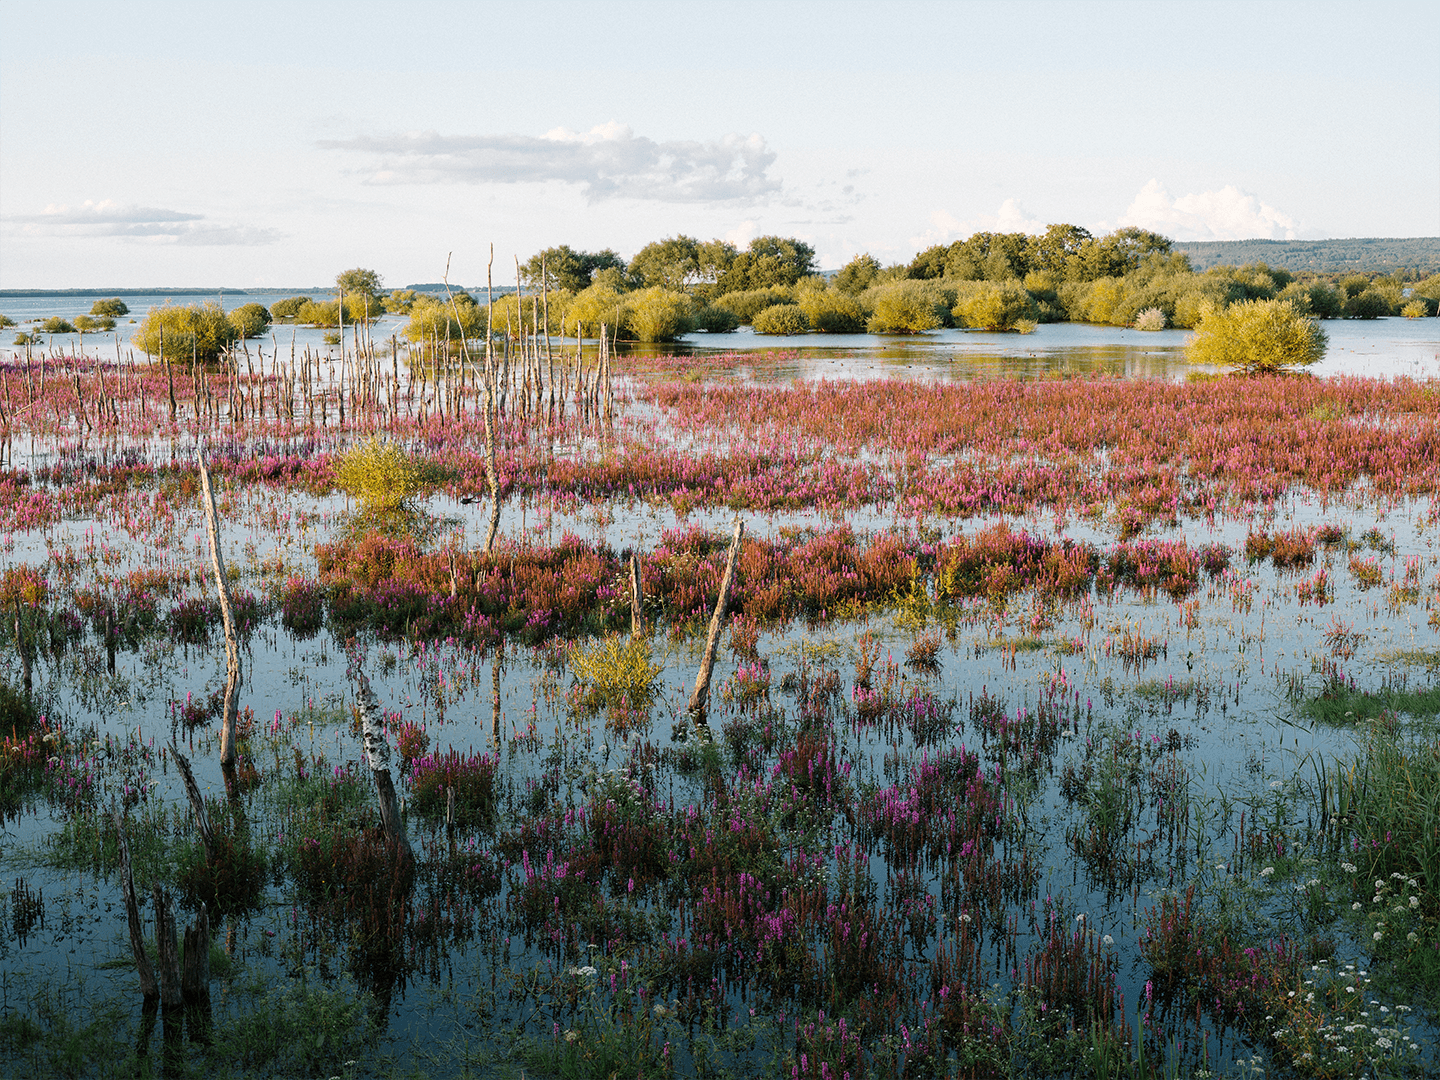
255,144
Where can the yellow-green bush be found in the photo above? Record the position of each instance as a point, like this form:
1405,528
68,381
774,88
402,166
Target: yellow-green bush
995,305
782,319
202,331
908,307
831,311
1257,337
659,314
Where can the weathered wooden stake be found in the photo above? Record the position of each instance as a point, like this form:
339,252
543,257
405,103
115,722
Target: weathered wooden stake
701,695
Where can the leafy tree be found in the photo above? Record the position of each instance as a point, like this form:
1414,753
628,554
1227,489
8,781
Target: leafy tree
113,308
86,324
5,321
1002,305
782,319
565,268
858,274
399,302
832,312
1257,337
1058,251
671,263
202,331
769,260
1415,309
657,314
251,320
288,308
56,325
1316,298
1354,284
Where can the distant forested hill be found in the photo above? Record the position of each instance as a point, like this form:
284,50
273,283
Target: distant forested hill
1364,254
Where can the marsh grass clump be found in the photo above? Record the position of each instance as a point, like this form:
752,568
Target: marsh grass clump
473,778
233,878
302,606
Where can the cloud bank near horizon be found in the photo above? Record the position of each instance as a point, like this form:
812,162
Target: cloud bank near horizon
109,219
607,162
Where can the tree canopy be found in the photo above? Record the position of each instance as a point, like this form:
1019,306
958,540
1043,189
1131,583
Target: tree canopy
112,308
563,267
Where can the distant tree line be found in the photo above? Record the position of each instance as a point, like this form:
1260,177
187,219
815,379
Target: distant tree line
681,285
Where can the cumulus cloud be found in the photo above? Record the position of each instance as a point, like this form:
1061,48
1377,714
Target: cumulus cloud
1226,214
1010,217
608,161
107,218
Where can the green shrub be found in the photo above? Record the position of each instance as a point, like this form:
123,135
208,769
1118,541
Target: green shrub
112,308
86,324
286,309
616,675
5,321
832,311
747,303
198,330
358,308
1370,304
996,305
715,320
906,307
781,319
433,320
659,314
1257,337
1415,309
383,478
1318,299
599,304
56,325
250,320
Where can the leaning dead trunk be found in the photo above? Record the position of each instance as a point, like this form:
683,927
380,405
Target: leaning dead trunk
197,802
232,640
377,755
701,695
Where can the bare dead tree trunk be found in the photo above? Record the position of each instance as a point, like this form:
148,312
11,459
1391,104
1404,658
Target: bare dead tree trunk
701,696
167,951
377,755
232,640
637,598
148,986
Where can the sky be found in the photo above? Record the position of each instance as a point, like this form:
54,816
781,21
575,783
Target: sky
257,145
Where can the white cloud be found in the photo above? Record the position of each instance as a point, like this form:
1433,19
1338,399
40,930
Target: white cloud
608,161
1010,217
105,212
1226,214
107,218
742,234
